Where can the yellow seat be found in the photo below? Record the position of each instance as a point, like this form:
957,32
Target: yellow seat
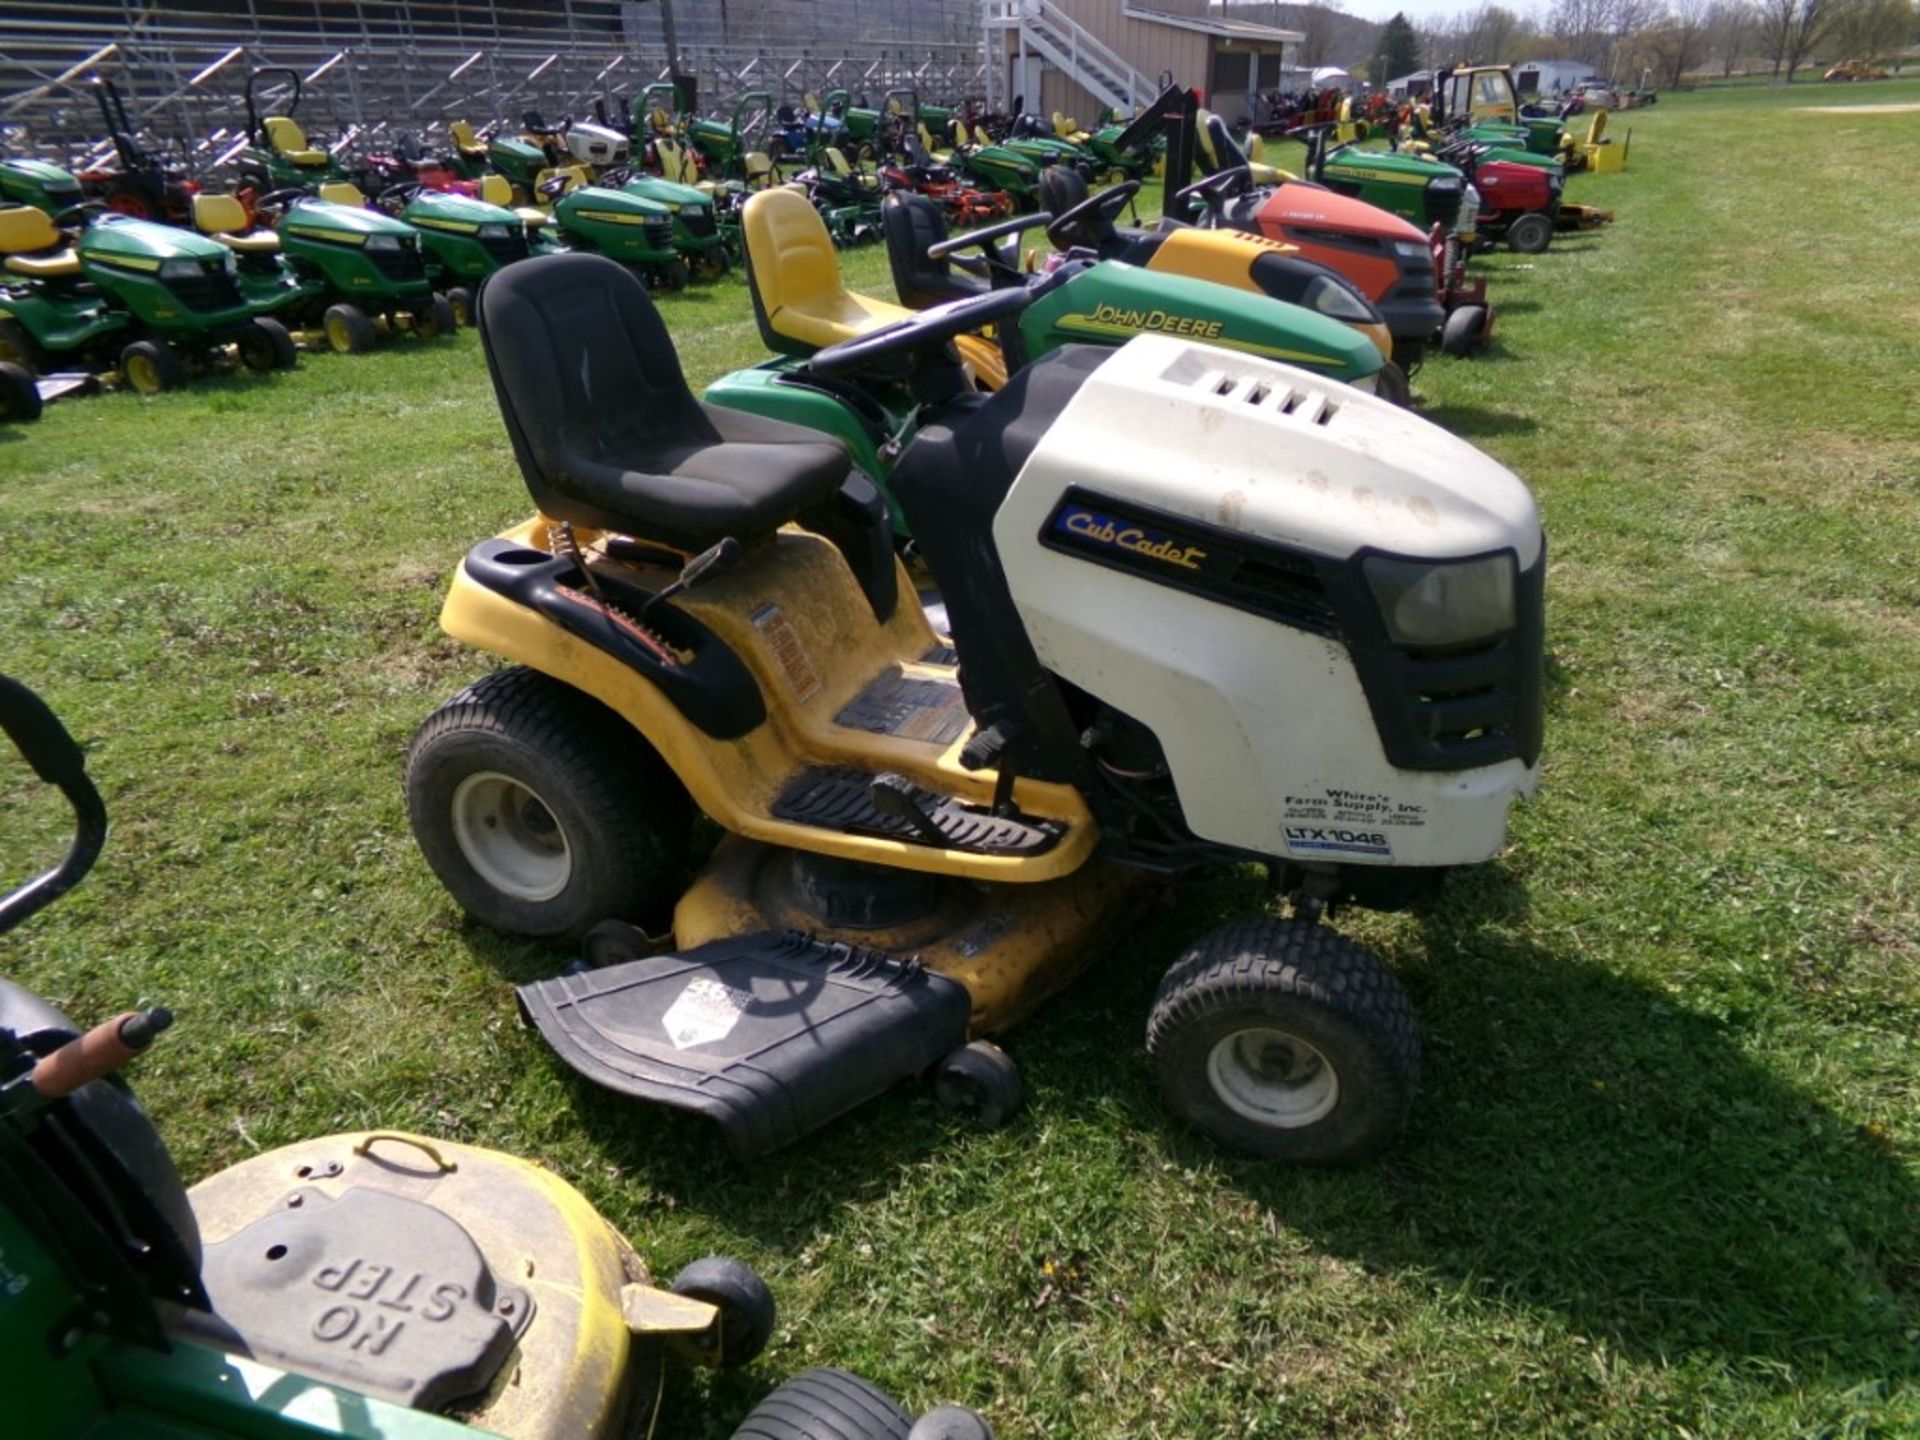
225,219
939,157
465,140
798,297
34,246
290,141
760,171
343,192
496,190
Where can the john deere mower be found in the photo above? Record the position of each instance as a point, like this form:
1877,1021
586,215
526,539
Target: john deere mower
462,240
152,301
802,307
279,154
361,271
142,185
367,1286
1316,646
38,183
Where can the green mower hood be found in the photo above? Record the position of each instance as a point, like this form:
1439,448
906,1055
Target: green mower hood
37,183
670,193
342,224
145,245
439,210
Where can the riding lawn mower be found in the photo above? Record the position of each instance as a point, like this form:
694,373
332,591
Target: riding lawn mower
367,1286
1200,609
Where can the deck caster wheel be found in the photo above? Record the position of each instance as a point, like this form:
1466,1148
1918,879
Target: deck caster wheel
826,1405
614,942
1530,234
951,1422
743,1300
1465,332
1286,1040
979,1083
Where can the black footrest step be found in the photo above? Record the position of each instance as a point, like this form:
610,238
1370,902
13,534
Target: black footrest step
771,1034
837,799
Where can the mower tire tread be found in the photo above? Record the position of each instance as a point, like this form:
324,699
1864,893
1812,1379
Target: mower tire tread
826,1404
629,812
1250,967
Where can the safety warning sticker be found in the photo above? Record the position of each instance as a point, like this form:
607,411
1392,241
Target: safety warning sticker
930,710
787,649
707,1010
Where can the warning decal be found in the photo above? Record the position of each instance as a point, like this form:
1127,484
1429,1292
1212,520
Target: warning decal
787,649
930,710
707,1010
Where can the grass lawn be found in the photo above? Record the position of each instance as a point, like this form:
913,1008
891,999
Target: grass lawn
1664,1175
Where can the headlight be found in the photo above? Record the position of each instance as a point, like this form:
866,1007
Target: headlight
1336,301
494,232
1445,184
1428,603
1411,249
185,269
385,244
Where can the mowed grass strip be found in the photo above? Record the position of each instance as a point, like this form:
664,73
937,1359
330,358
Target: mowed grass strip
1662,1177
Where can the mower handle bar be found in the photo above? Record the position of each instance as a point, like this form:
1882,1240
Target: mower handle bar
1012,225
46,746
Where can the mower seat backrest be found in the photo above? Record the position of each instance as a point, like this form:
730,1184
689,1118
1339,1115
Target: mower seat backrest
290,141
225,219
793,273
759,168
912,224
465,140
34,246
343,192
606,430
675,163
837,161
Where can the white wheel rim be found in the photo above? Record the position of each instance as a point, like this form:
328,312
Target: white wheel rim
510,836
1273,1078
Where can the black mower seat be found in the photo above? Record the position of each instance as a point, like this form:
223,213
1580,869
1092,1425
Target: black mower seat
913,224
607,432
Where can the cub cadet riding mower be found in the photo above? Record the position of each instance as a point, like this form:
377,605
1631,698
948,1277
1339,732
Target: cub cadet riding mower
1317,645
368,1286
150,300
802,307
278,155
360,269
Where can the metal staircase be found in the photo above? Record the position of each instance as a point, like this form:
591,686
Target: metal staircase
1048,31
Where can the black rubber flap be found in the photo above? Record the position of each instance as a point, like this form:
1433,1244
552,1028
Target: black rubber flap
771,1035
836,799
386,1296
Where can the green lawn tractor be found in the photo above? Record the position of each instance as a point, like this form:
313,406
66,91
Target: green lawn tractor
1419,189
278,154
362,272
462,240
993,167
737,150
149,300
366,1286
625,226
696,223
802,308
38,183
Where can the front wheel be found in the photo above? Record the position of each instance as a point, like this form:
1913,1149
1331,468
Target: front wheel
460,298
713,263
745,1304
152,366
674,274
1286,1040
266,345
1530,234
349,329
434,318
543,812
19,395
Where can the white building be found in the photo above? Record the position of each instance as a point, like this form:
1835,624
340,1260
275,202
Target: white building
1549,77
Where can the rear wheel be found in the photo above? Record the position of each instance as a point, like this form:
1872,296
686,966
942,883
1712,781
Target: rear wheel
19,396
826,1405
265,345
152,366
1530,234
543,812
1286,1040
460,299
17,347
434,318
349,329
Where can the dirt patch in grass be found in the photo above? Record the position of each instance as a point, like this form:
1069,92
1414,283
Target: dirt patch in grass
1907,109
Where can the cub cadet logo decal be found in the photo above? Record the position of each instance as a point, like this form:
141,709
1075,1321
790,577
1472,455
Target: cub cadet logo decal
1101,529
1113,316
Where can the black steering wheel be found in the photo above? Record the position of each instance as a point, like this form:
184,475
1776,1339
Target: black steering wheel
279,199
985,235
78,217
1217,188
395,197
1099,203
923,330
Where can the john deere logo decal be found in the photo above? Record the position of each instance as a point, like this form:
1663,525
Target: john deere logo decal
1104,530
1111,319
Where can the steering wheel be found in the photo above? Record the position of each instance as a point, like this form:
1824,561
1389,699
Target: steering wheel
923,330
280,199
395,197
1113,196
982,237
1217,188
78,217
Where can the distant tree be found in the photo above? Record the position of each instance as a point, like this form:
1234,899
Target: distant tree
1730,26
1486,35
1320,30
1679,43
1792,29
1397,51
1876,30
